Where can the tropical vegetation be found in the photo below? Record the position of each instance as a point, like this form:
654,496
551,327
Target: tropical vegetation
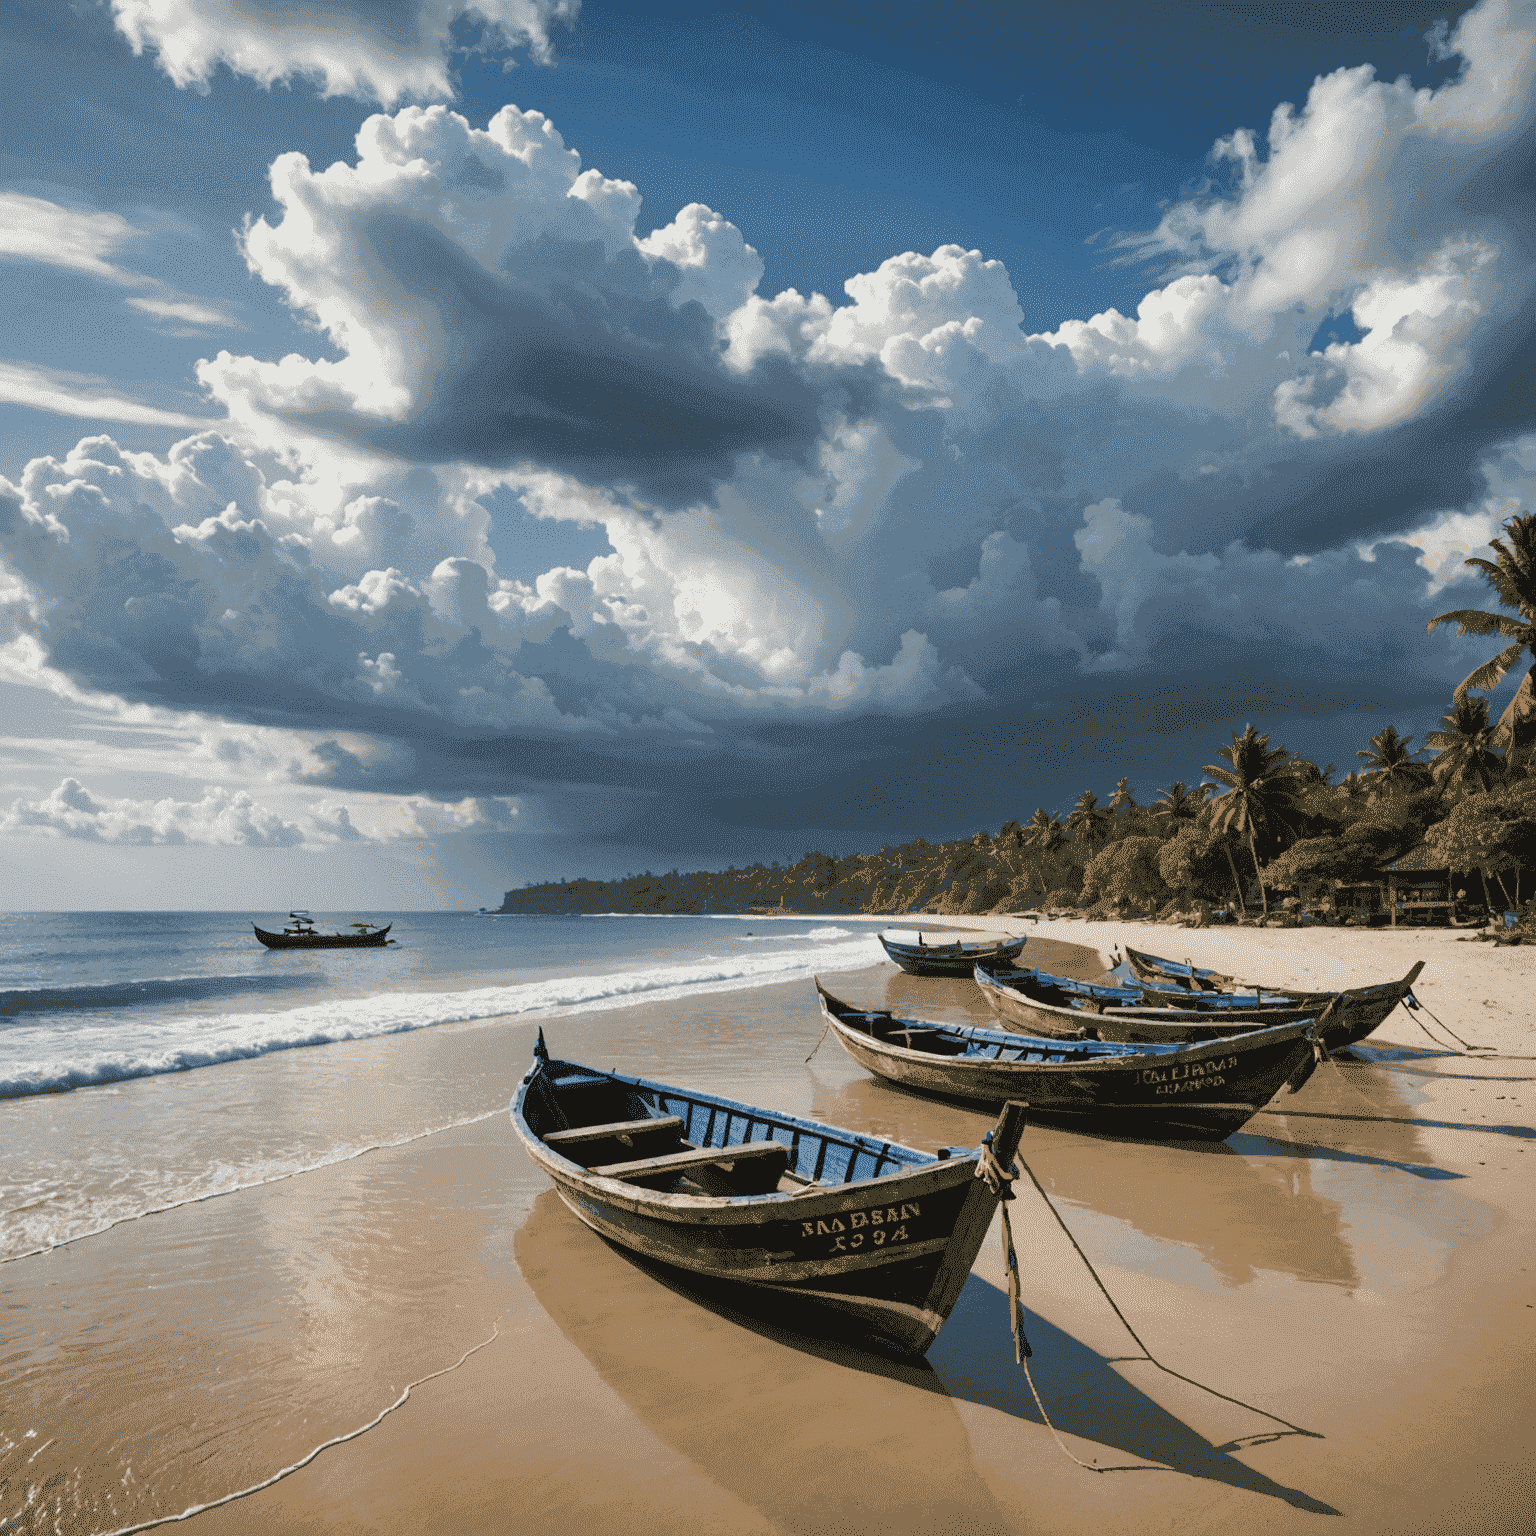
1263,822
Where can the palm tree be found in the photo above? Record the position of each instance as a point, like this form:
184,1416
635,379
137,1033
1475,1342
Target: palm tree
1259,794
1352,785
1464,754
1513,580
1389,762
1087,817
1179,803
1045,834
1121,800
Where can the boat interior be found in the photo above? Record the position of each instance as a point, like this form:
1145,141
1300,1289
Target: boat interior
658,1138
1092,997
986,1044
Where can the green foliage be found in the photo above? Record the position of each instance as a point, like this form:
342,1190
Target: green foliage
1466,760
1087,818
1353,858
1177,804
1194,865
1126,875
1390,766
1493,831
1513,579
1261,794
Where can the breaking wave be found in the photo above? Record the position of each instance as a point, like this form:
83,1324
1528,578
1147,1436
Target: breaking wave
34,1059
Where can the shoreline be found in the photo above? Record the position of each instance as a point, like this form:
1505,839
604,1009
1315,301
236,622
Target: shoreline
1353,1263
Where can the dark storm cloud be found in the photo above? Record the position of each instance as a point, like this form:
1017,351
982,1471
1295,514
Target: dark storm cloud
603,385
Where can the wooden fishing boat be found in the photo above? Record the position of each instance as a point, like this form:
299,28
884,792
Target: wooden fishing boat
300,933
955,959
1154,968
1032,1003
1173,984
1202,1091
879,1235
1172,994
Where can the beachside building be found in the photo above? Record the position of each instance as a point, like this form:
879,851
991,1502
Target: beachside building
1421,890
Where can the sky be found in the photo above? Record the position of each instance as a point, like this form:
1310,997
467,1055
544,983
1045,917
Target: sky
445,448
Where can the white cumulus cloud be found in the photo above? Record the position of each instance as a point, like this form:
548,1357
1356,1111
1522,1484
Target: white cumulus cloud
347,47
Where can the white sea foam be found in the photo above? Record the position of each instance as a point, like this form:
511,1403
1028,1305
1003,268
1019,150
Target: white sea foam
45,1060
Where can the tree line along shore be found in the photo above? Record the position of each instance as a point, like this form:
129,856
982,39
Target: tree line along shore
1264,832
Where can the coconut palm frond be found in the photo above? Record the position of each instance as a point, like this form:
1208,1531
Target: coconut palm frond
1518,722
1475,621
1492,673
1514,577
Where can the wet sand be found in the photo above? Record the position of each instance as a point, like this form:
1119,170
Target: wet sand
1356,1264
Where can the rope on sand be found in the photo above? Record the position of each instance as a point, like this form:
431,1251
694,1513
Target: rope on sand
1000,1181
1295,1429
1415,1006
277,1477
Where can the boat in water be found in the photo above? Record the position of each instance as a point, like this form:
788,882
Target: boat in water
1203,1091
957,959
801,1215
300,933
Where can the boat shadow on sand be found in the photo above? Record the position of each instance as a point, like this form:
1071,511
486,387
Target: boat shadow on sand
815,1431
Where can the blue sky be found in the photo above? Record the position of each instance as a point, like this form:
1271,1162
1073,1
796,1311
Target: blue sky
635,435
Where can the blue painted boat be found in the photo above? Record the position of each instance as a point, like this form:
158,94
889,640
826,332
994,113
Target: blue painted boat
1033,1003
1189,987
1176,994
794,1213
1191,977
1200,1091
956,959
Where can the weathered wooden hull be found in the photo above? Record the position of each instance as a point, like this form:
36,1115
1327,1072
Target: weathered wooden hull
886,1254
374,940
1203,1091
949,959
1154,968
1163,993
1204,988
1350,1016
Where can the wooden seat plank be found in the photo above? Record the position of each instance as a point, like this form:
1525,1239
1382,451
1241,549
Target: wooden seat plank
616,1129
681,1162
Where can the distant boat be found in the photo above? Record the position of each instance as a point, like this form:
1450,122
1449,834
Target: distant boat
300,934
1202,1091
804,1218
956,959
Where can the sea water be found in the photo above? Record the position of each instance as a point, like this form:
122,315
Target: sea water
139,1051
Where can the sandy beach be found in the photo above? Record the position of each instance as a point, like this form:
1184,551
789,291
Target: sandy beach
1345,1290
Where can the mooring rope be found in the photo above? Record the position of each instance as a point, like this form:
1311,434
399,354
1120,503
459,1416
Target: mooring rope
1125,1322
817,1046
1415,1006
1000,1181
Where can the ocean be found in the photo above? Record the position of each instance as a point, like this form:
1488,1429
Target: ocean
92,1002
250,1200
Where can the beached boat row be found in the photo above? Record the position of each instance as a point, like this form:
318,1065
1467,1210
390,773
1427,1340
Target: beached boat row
816,1222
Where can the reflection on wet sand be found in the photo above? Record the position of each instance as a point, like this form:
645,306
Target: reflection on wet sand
818,1435
1247,1206
1087,1398
814,1434
1241,1216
